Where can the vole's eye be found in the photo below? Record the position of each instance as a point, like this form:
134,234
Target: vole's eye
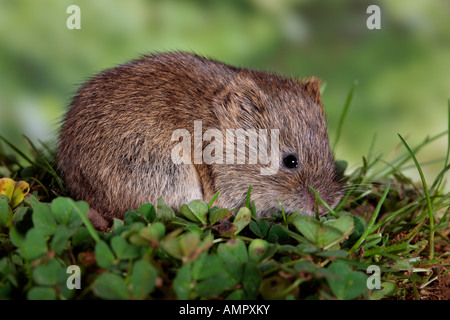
290,161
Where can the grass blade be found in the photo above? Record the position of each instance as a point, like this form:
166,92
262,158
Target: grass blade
46,165
330,210
282,210
344,113
371,222
213,199
371,147
16,150
397,163
86,221
439,178
427,195
247,201
448,149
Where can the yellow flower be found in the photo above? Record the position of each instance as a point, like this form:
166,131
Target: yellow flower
15,191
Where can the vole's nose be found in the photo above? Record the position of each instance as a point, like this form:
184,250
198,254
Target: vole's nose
314,204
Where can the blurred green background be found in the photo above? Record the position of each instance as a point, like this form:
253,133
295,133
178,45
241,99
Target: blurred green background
402,70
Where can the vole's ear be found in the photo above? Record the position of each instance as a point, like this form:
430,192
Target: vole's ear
240,103
311,88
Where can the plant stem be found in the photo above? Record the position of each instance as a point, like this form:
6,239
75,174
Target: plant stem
323,202
427,195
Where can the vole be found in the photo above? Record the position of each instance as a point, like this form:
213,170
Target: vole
116,146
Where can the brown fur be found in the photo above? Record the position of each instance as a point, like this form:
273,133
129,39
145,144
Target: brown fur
115,142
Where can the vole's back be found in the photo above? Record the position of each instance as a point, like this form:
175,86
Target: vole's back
113,143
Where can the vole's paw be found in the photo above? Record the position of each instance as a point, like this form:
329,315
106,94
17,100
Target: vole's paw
97,220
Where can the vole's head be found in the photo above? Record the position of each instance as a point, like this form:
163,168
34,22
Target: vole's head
301,159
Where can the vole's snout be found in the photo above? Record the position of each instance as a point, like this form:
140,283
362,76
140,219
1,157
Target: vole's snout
312,205
331,194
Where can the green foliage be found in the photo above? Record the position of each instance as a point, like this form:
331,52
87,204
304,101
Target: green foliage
325,234
148,255
346,284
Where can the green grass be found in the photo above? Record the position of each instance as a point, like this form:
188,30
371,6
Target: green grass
202,252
